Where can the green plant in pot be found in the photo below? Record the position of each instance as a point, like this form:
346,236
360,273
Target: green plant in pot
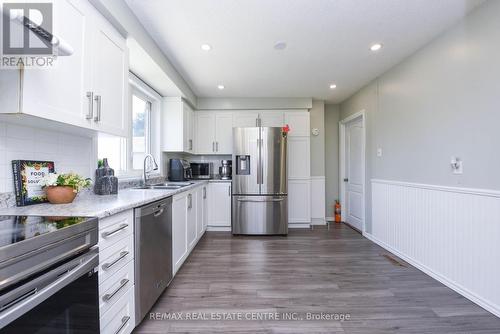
63,188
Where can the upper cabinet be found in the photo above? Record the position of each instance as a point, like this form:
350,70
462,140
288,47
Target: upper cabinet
214,132
177,126
299,122
86,89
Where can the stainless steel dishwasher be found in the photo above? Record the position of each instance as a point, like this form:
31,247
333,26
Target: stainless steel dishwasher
153,254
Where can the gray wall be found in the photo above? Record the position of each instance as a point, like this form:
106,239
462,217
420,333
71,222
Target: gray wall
440,102
317,117
332,113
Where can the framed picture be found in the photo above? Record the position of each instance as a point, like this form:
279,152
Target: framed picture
27,176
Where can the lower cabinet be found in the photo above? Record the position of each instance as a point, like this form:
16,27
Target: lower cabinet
220,202
187,223
116,273
299,201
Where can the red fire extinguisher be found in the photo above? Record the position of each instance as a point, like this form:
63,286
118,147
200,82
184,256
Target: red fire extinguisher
337,210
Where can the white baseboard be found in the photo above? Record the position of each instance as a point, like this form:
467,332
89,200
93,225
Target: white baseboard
219,228
299,225
452,285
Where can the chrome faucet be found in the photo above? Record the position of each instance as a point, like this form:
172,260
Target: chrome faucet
146,170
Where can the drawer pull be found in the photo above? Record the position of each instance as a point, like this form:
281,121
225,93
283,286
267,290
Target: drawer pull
108,296
125,319
118,229
106,266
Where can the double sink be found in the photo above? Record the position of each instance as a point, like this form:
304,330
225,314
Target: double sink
166,186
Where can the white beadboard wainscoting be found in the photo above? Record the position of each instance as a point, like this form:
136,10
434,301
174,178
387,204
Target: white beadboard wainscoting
452,234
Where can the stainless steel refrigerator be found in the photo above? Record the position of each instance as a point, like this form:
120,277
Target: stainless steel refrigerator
259,183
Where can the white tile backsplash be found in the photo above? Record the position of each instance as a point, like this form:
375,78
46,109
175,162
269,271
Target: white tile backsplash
69,152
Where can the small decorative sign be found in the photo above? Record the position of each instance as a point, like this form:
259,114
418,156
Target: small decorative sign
27,177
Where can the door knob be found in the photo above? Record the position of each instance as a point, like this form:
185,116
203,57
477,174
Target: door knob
346,180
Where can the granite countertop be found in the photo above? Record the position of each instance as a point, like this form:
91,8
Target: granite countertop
99,206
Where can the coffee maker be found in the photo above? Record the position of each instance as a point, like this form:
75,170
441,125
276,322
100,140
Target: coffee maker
226,170
179,170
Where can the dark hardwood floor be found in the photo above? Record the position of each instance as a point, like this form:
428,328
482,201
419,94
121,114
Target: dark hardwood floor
335,272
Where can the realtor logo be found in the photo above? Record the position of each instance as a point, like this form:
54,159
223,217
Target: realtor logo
27,35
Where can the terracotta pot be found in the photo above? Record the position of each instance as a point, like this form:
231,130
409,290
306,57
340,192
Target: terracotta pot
60,194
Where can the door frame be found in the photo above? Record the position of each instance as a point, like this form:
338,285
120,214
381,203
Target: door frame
342,163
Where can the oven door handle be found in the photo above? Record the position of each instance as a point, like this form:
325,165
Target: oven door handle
20,301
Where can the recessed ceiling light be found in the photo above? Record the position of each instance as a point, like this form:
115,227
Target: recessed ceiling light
221,87
376,47
206,47
280,45
333,86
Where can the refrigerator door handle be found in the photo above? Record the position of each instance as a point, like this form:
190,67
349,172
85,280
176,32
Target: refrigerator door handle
259,162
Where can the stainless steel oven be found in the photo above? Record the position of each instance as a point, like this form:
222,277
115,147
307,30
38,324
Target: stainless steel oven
48,275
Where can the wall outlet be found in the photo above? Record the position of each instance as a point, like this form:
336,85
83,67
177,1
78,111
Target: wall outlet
379,152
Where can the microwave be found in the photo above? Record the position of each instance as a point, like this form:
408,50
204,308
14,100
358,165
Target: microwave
202,170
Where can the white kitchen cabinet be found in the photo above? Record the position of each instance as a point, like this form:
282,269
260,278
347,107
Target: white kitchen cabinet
110,79
299,122
299,201
224,133
214,132
98,66
179,230
205,208
219,214
245,119
299,161
177,126
205,132
271,118
191,221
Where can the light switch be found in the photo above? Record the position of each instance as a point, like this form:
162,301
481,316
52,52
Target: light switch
379,152
457,165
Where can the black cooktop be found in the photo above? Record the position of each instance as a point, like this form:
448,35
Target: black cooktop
14,229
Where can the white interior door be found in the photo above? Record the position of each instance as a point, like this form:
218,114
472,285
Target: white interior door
354,199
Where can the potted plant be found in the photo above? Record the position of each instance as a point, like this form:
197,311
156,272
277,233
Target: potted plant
62,188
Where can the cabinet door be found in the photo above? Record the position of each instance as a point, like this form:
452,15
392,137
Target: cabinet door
59,93
191,219
245,119
299,201
220,204
205,132
272,118
299,162
298,122
188,125
179,241
224,133
110,79
205,207
200,210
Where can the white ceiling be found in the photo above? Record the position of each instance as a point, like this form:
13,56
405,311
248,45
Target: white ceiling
328,41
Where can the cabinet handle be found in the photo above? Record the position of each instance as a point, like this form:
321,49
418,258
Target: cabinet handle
98,101
190,144
213,146
106,266
216,146
229,191
90,114
107,297
190,201
125,319
204,192
109,233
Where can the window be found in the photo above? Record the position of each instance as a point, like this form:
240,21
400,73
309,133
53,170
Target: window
126,155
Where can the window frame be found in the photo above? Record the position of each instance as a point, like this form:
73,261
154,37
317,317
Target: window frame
142,90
